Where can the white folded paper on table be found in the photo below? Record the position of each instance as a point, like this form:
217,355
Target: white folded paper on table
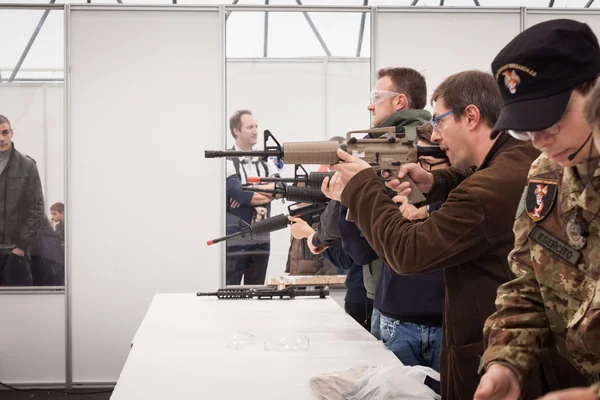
386,382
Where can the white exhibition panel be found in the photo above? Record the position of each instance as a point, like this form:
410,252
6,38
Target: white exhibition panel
145,103
298,100
590,17
32,338
439,43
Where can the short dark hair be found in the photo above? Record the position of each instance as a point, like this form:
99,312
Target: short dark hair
471,87
3,120
235,122
408,82
59,207
424,132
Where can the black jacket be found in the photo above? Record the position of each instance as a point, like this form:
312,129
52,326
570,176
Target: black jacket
21,202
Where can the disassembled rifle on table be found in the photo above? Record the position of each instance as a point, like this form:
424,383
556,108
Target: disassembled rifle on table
268,292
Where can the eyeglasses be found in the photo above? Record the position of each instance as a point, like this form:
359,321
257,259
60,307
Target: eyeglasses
377,96
433,121
528,135
428,165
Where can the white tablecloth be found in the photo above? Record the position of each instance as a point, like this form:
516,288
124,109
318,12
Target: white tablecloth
179,351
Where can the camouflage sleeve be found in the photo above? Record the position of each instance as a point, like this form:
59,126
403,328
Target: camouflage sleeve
518,331
596,388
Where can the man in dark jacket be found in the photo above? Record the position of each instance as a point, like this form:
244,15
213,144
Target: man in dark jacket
410,307
21,209
469,237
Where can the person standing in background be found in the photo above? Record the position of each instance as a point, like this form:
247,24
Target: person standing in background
22,205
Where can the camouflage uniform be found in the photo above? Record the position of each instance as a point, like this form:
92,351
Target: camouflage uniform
555,299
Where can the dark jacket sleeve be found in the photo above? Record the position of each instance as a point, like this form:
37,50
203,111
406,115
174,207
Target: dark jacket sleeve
34,210
234,190
353,242
445,180
452,235
338,257
327,231
434,207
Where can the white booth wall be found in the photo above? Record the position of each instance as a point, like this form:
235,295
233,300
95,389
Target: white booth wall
144,105
142,198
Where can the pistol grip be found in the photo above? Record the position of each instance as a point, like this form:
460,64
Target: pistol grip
415,196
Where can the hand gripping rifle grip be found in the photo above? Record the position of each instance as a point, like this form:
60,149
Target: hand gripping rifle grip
315,179
415,196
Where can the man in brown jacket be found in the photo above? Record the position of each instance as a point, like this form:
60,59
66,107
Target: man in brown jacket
469,237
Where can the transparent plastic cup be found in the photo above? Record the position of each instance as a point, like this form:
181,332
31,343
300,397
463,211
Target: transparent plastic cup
287,343
240,340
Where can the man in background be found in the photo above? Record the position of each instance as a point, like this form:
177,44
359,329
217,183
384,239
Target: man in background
22,205
57,214
247,257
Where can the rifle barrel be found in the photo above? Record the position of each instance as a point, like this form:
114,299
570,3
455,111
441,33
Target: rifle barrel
221,239
234,153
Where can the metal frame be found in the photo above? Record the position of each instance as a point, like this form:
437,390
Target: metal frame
67,178
266,33
562,11
223,57
361,30
314,29
374,53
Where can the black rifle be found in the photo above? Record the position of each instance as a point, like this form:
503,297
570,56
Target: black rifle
303,179
268,292
311,213
293,193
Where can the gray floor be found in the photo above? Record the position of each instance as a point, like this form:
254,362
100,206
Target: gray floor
39,394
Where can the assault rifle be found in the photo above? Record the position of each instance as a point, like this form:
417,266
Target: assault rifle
303,179
267,292
311,213
293,193
384,154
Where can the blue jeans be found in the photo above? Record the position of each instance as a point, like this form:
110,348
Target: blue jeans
375,324
413,344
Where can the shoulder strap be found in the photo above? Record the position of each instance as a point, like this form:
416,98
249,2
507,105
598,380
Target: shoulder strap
236,163
265,167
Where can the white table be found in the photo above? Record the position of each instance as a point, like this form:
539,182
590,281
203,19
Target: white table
179,351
